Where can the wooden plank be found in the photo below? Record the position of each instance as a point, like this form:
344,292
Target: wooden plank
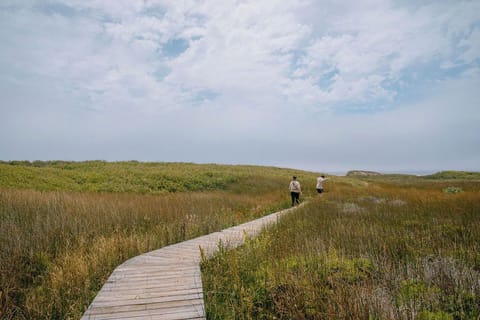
192,312
144,299
148,305
160,288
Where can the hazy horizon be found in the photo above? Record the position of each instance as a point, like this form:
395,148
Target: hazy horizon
331,172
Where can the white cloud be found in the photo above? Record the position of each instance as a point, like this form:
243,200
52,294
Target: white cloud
246,80
364,50
352,53
242,53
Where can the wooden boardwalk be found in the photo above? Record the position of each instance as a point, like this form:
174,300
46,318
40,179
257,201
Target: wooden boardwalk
166,283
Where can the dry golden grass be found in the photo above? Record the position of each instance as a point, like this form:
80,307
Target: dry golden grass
367,249
58,248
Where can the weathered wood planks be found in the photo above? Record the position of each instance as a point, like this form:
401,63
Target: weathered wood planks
166,283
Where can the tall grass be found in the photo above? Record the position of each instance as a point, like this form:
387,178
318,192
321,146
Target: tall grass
60,239
364,250
58,248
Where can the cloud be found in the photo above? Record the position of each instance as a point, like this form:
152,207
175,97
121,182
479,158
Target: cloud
437,132
168,52
331,84
363,52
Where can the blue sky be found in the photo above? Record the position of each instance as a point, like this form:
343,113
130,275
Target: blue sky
320,85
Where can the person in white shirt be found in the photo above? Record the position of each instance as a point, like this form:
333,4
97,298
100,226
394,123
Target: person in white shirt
320,183
295,191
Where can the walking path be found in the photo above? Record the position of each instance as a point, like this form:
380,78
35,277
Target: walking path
166,283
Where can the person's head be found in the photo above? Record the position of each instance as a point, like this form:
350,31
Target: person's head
323,176
294,178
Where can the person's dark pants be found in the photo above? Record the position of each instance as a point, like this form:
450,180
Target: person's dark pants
295,198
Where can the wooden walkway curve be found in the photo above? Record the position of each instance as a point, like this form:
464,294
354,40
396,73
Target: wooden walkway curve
166,283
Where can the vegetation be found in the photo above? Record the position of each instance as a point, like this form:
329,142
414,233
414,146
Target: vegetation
133,176
64,226
362,173
380,247
371,247
452,190
458,175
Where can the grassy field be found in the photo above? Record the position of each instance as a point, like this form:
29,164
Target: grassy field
64,226
373,247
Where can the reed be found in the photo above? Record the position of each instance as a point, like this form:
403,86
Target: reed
367,249
58,248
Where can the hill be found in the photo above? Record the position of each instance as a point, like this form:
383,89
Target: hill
362,173
454,175
141,177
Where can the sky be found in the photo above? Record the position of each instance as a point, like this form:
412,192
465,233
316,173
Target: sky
320,85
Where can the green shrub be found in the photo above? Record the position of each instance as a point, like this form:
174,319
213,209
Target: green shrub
416,294
439,315
452,190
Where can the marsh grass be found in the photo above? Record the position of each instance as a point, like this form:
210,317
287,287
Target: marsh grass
366,249
59,248
61,237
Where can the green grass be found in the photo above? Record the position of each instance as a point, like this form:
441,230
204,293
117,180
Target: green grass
64,226
369,248
139,177
457,175
99,176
